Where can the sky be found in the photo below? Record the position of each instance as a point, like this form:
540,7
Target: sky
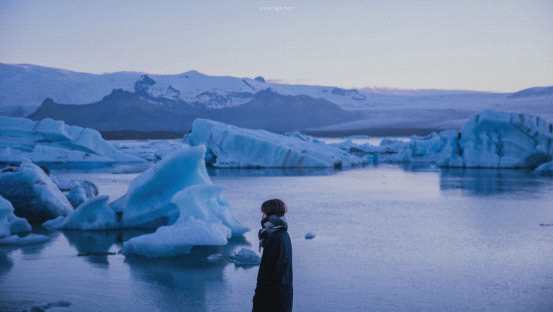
500,45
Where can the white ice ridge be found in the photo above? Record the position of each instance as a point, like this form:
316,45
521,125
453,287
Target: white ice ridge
233,147
52,141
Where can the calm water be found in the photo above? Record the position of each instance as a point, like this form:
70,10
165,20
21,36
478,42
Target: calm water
388,239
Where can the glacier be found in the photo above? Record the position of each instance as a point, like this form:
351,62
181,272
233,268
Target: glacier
32,193
233,147
49,142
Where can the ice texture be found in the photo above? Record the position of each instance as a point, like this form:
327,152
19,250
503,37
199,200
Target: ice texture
489,139
93,214
205,219
147,203
233,147
501,140
51,141
10,224
32,193
245,257
545,169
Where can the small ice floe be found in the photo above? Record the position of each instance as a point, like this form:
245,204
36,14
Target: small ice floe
546,224
214,258
245,257
310,235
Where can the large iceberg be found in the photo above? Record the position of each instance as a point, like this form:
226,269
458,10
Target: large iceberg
233,147
204,220
32,193
51,141
176,196
488,140
501,140
147,203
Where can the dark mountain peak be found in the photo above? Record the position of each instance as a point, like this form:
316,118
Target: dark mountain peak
142,85
47,101
259,79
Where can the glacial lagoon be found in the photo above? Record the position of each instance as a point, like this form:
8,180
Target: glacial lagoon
388,238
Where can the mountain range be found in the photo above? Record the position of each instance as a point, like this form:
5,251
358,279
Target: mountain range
140,102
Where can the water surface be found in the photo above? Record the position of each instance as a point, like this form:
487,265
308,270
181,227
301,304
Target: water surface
388,239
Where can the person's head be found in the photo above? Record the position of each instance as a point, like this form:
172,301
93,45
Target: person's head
274,207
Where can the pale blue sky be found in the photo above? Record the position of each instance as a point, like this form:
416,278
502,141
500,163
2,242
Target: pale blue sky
486,45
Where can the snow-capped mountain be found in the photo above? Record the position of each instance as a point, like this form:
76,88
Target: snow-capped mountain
151,108
23,87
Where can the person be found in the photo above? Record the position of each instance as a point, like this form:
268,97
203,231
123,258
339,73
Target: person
274,291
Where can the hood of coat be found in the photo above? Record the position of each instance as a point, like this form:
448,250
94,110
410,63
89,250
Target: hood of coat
269,225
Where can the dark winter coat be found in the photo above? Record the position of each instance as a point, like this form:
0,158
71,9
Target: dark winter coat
274,291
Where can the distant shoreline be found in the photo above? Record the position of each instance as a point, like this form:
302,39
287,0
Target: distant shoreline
378,132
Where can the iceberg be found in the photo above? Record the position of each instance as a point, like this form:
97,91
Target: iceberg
233,147
501,140
32,193
545,169
77,191
93,214
147,203
9,223
52,142
489,139
204,220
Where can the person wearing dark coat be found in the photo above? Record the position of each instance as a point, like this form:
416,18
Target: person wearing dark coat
274,290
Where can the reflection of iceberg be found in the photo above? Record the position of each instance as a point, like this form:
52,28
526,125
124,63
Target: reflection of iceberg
488,181
233,147
189,281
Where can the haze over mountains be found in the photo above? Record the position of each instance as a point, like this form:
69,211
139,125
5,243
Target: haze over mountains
133,101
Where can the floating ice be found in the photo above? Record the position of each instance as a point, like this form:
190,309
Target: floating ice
204,220
32,193
310,235
245,257
488,140
147,203
93,214
234,147
9,223
501,140
52,142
